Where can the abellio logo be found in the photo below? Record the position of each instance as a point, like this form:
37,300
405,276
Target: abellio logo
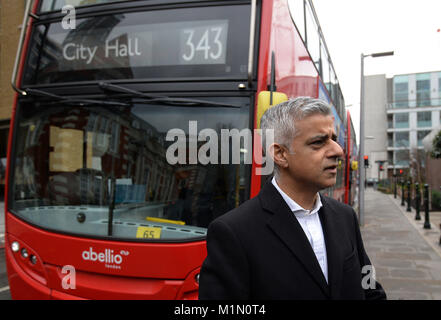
108,257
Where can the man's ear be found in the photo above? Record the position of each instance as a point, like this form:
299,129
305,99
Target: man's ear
279,155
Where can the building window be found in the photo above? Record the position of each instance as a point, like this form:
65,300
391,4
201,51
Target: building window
402,158
401,91
418,158
401,139
390,121
423,89
390,157
424,119
401,120
437,103
421,135
390,139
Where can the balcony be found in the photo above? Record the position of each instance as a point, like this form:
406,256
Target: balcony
419,103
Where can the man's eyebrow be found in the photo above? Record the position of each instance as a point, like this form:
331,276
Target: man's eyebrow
322,137
318,137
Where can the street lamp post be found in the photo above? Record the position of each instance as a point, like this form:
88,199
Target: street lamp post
361,155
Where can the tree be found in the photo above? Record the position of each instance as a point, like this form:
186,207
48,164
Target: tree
417,165
436,152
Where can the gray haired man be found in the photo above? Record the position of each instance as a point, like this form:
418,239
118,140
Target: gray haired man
291,242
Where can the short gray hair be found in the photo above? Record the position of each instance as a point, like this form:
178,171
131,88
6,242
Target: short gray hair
282,117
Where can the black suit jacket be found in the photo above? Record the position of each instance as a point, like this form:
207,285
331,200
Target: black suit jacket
260,251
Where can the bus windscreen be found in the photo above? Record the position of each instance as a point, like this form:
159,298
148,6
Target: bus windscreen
79,170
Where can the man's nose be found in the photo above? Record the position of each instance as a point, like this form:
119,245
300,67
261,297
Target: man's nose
336,150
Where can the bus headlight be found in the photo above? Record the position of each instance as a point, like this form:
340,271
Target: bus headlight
24,253
15,246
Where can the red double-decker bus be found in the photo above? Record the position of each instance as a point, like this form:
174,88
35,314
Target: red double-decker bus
100,201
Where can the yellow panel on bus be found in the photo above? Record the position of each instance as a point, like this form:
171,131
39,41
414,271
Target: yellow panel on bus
264,102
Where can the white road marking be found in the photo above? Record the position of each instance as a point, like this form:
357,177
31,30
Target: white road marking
4,289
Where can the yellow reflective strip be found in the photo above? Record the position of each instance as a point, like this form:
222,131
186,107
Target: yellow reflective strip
165,220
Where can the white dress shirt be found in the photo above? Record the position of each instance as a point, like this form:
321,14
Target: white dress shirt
311,225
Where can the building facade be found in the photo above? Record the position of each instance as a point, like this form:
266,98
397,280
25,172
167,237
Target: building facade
400,112
11,18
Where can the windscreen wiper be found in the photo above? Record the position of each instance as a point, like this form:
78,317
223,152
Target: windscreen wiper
120,89
184,102
111,206
150,99
80,101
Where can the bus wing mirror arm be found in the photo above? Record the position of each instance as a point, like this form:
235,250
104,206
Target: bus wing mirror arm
24,28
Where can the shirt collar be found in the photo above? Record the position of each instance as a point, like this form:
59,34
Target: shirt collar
294,206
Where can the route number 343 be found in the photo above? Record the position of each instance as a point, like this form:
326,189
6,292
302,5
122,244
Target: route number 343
208,46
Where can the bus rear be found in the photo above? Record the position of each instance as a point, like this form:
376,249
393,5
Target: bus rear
108,192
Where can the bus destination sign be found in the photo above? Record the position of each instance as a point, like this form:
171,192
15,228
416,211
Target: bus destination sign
165,44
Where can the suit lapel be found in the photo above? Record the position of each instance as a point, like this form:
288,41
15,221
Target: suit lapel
331,233
285,225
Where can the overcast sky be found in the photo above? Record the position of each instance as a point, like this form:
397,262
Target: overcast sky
407,27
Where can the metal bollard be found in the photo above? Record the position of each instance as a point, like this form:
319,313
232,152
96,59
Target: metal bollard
408,197
402,193
395,187
417,201
426,207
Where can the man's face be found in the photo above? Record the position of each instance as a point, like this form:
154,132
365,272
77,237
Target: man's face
312,163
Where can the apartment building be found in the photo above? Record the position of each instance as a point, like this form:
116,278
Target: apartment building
400,112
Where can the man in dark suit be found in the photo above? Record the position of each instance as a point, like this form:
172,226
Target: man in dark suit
290,242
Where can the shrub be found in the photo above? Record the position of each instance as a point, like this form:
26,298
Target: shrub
436,143
384,189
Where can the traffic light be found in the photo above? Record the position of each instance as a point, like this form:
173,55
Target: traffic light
366,161
401,171
381,167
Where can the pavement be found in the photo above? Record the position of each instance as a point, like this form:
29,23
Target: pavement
406,257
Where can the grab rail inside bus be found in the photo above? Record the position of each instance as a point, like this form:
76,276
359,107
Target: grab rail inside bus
24,28
252,35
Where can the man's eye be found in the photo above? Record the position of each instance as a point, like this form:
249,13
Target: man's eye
318,142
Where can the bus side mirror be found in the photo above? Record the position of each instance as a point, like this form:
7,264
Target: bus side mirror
264,102
354,165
